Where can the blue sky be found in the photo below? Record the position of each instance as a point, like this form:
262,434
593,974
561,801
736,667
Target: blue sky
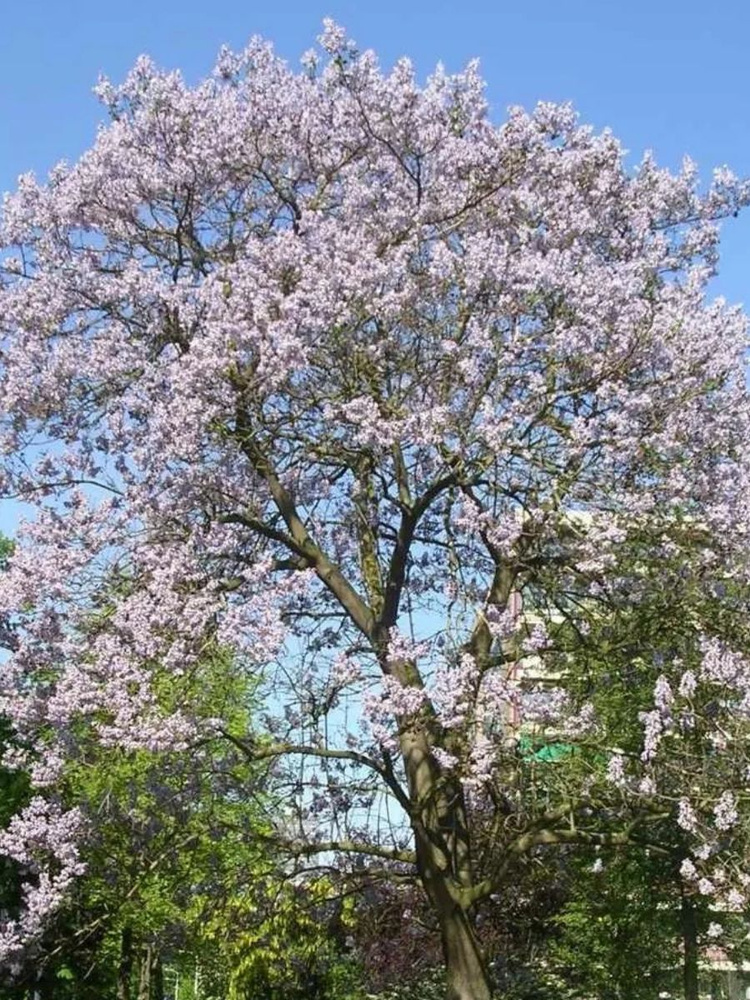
664,75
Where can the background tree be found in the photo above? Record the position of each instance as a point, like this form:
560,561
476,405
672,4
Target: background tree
328,360
164,828
640,640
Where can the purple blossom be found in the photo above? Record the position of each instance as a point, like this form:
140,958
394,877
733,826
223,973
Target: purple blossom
688,684
688,870
663,696
725,811
616,770
706,887
686,817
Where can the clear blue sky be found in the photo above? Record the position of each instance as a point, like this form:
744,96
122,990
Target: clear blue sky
669,75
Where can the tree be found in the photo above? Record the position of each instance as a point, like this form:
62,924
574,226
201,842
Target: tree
170,831
670,624
693,758
618,933
328,361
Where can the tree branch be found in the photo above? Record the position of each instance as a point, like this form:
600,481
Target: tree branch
301,542
349,847
257,753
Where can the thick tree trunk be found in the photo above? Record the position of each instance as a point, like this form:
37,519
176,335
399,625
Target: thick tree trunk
443,857
466,972
125,969
689,930
443,847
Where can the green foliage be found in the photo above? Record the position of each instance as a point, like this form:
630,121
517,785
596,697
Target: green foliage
14,788
282,940
171,831
616,933
630,908
538,982
430,985
6,550
179,864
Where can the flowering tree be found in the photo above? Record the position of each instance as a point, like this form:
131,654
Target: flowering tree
171,834
674,728
330,370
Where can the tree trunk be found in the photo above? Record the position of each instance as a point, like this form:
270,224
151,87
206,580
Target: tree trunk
151,978
441,835
466,972
690,948
144,985
125,968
